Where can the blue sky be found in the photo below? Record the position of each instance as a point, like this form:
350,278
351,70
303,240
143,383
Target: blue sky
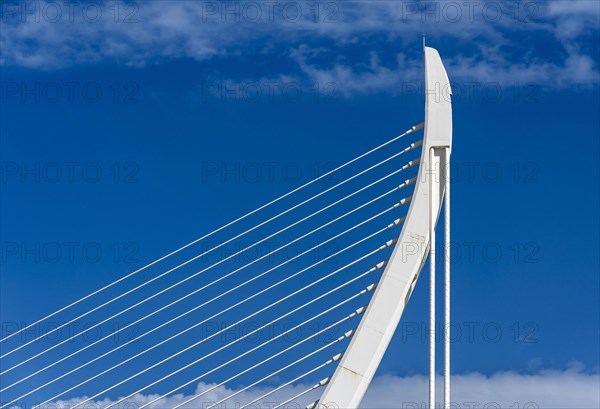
127,132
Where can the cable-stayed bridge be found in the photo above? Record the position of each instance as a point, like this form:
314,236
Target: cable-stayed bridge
290,305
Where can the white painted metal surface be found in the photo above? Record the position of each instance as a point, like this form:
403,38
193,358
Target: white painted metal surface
433,213
447,281
358,365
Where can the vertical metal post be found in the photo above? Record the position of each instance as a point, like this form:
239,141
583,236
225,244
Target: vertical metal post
446,175
432,219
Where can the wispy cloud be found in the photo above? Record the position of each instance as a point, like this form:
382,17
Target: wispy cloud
547,389
364,46
570,388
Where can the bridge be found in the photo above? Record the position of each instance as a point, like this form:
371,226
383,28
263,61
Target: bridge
316,324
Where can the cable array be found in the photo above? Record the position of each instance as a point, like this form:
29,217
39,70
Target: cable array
284,289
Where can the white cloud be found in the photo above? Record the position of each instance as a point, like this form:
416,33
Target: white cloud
491,33
571,388
570,7
547,389
364,78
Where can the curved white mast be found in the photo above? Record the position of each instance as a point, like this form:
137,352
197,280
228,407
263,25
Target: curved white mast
358,365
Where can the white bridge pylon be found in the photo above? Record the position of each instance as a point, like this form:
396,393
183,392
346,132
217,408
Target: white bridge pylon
358,365
279,297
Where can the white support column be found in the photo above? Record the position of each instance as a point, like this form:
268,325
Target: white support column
432,219
446,176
